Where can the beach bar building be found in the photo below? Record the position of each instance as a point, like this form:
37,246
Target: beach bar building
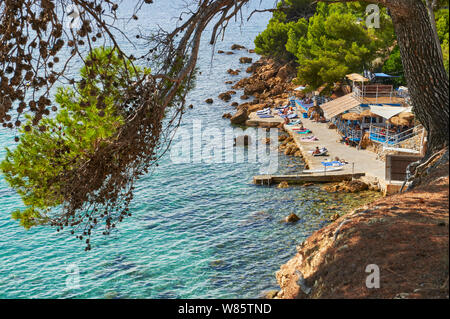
376,109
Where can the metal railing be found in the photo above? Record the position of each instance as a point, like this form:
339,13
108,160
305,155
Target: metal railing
373,91
384,136
350,133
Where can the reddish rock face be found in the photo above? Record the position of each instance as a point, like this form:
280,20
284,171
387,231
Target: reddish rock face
257,87
286,72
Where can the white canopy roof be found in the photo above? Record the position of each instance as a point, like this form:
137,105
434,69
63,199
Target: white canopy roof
387,111
300,88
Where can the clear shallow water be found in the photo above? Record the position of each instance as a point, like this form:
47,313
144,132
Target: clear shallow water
197,230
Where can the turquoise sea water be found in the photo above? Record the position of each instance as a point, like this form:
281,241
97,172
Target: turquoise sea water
197,230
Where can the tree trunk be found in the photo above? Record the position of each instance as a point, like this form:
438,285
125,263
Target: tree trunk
424,69
430,7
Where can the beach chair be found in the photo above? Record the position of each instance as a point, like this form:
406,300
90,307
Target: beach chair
323,152
295,123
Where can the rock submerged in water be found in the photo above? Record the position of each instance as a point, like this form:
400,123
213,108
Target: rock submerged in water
209,101
233,72
227,116
292,218
237,47
334,217
271,294
347,187
245,60
225,96
283,184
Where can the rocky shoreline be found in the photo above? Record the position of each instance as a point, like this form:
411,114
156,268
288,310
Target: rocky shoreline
267,86
330,263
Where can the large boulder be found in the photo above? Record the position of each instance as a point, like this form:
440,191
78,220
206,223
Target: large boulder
240,117
256,107
292,218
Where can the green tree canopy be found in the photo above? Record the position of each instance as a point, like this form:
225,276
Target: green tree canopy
331,43
35,168
338,43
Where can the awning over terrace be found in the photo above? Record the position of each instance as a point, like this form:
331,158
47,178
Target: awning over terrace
339,105
357,77
387,111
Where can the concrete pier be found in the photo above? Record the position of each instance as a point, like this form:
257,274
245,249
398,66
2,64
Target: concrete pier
304,178
361,163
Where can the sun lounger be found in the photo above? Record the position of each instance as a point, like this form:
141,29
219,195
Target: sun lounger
323,152
264,111
295,123
309,139
304,132
265,116
333,163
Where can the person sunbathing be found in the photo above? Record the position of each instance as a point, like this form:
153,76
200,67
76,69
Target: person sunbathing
317,151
